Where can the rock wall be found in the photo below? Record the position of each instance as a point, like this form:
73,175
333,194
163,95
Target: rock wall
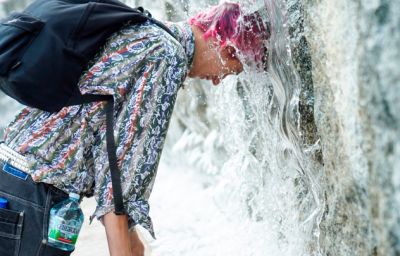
355,53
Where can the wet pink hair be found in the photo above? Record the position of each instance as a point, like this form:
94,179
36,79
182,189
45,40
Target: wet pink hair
226,23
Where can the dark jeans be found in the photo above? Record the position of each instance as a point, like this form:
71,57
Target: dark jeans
24,224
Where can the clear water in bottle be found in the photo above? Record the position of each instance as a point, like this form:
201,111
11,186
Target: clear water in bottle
66,219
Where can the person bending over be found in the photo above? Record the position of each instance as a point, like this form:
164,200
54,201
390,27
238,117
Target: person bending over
143,67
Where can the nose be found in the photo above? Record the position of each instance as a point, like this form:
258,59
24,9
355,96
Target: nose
216,80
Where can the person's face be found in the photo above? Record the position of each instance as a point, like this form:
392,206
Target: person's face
216,63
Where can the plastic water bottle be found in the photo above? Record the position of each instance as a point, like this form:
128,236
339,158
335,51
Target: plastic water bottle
66,219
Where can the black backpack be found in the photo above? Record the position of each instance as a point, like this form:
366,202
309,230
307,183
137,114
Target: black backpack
45,49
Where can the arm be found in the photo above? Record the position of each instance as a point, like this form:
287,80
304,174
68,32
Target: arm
118,237
120,241
147,92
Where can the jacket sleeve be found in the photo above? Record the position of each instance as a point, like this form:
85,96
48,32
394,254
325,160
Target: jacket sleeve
142,117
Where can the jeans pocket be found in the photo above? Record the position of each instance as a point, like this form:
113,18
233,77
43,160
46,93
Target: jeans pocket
54,196
48,250
10,231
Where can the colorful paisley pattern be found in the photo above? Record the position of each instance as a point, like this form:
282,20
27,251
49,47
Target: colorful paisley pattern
143,67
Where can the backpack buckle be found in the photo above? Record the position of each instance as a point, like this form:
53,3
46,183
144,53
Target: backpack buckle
143,11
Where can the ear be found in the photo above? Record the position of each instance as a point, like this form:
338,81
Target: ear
228,52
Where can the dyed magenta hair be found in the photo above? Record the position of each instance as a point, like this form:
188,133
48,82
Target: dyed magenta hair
226,23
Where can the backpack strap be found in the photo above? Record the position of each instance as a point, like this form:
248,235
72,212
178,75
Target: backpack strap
148,15
163,26
111,148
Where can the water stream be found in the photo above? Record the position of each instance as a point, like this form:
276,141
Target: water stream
248,147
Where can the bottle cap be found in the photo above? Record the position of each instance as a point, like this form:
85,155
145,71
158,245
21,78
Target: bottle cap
3,202
74,196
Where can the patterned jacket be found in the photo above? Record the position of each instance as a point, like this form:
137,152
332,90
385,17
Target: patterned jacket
143,67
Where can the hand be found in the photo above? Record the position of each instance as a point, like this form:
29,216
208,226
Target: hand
137,246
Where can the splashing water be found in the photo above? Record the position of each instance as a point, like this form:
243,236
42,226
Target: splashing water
265,185
266,182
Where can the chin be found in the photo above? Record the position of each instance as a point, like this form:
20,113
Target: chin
192,74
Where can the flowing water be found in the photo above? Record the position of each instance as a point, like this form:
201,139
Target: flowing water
302,159
248,145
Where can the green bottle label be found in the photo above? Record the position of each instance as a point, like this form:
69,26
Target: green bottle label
62,232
